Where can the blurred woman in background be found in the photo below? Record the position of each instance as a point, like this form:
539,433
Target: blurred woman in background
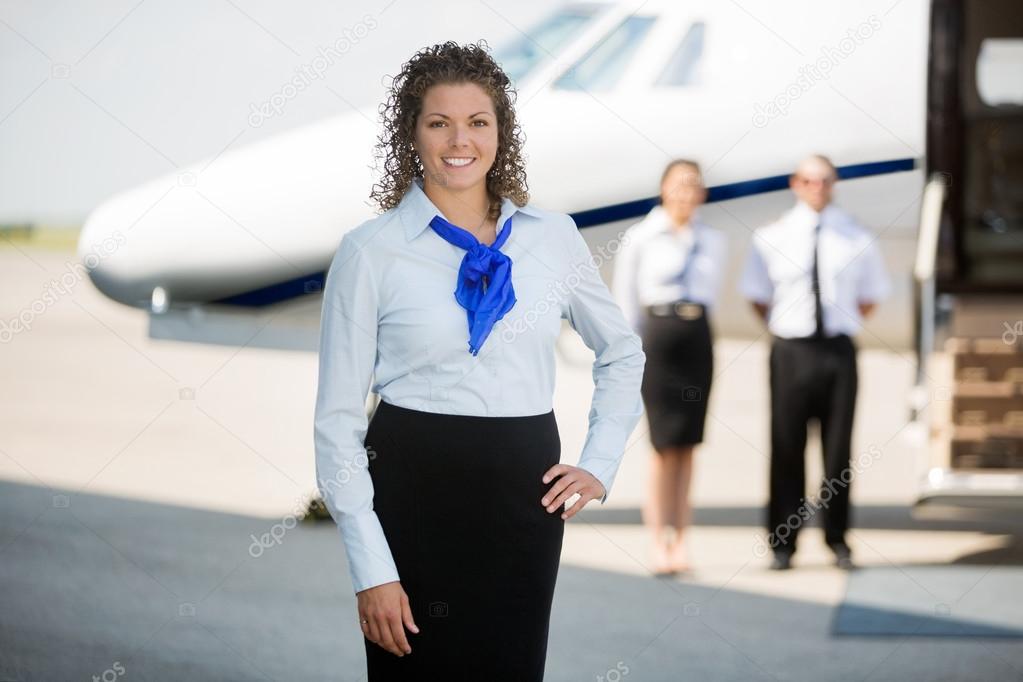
666,279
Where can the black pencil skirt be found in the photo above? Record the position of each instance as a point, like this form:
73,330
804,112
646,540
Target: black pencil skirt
677,378
477,553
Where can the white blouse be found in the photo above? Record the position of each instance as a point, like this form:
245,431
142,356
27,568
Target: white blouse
390,315
649,266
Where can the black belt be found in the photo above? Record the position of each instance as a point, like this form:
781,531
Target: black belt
685,310
837,338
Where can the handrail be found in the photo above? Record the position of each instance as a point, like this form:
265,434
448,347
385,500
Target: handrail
930,223
923,273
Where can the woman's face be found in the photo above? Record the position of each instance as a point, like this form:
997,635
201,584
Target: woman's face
456,135
682,192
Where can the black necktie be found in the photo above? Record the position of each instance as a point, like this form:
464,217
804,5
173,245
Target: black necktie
817,309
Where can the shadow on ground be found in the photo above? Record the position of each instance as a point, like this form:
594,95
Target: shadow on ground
100,586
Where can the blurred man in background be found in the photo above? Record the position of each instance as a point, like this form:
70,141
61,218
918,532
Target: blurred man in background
812,276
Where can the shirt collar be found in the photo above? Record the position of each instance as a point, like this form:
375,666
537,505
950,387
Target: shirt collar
416,210
805,216
662,222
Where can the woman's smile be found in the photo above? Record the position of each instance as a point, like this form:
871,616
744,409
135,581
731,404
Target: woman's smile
458,161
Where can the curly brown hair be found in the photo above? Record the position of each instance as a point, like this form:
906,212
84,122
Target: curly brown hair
454,64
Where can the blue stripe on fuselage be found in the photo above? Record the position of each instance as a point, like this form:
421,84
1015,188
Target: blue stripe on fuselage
313,283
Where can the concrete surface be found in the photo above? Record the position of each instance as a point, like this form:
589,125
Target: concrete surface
135,473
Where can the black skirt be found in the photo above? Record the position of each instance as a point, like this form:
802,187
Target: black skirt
459,501
677,378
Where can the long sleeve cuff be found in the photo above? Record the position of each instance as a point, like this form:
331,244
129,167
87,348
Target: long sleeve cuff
369,557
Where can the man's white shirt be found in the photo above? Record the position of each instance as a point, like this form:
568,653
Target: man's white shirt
779,269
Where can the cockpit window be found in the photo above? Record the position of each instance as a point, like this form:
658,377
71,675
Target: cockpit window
521,57
604,64
683,67
999,65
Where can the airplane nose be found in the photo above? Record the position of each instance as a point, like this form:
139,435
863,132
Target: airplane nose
112,252
262,214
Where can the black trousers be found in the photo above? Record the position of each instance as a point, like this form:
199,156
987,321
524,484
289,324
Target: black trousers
811,379
458,498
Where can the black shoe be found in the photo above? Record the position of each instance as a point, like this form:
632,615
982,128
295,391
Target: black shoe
782,561
843,557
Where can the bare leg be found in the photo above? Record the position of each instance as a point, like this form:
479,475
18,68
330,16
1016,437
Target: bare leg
683,508
659,510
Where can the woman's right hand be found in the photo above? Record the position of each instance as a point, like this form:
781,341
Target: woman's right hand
387,609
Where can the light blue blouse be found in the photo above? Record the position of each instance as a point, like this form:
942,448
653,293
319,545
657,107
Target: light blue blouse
646,269
390,322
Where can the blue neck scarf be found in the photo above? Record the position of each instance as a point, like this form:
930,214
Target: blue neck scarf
484,279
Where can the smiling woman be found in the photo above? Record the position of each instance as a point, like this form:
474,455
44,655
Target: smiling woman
453,523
